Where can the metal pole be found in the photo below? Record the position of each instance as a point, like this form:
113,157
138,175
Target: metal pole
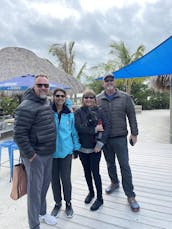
170,108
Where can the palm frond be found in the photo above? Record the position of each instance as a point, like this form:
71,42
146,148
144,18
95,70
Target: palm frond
78,76
161,83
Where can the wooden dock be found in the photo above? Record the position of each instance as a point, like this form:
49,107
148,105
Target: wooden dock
151,166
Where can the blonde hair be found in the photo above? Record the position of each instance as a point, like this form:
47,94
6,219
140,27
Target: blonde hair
88,93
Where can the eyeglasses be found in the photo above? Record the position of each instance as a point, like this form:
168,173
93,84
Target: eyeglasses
109,80
40,85
89,97
58,96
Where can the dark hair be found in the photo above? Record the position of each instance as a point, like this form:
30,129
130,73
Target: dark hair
59,89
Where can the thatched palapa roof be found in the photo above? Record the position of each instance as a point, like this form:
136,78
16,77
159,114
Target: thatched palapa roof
16,61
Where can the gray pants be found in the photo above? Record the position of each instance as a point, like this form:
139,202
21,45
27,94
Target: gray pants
117,147
38,181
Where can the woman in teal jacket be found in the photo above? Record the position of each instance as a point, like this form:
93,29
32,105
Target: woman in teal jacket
66,143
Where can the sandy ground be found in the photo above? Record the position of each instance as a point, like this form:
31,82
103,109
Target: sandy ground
153,128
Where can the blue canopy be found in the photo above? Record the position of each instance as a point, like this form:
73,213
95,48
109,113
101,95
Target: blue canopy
21,83
156,62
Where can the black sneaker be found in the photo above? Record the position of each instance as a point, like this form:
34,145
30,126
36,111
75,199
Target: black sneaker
69,210
96,204
56,209
89,198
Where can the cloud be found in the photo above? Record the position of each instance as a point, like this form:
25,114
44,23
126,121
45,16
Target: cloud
36,24
50,8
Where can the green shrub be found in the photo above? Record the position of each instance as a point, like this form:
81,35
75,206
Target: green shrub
9,104
149,99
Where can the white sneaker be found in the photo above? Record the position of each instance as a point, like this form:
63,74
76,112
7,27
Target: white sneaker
48,219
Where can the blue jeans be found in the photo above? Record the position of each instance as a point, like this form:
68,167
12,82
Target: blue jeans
117,147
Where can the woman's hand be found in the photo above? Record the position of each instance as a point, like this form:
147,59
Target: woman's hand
99,128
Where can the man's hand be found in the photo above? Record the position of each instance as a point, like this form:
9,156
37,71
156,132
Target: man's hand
97,149
32,158
133,138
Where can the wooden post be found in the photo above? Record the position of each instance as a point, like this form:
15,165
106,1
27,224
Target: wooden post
170,108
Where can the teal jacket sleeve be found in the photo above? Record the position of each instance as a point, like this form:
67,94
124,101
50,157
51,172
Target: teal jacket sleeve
75,137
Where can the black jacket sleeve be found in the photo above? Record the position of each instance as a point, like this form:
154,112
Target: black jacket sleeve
24,119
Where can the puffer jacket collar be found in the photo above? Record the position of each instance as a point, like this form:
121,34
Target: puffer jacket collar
65,109
117,94
29,94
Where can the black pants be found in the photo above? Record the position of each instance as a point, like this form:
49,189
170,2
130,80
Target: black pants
90,163
61,176
117,147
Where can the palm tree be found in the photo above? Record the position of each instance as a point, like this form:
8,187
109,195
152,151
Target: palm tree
102,69
161,83
78,76
124,58
123,54
65,57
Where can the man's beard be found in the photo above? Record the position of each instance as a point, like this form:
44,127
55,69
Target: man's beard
110,87
43,96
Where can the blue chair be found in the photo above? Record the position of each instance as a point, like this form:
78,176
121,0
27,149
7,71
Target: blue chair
11,146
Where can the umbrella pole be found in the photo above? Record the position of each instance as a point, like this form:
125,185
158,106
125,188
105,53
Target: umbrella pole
171,109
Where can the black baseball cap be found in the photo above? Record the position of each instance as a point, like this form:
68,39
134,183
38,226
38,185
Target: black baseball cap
108,76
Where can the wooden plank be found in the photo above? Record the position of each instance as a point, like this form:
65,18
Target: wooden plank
120,204
153,185
152,178
118,197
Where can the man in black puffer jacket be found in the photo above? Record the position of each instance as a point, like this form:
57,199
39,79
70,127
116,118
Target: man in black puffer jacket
35,135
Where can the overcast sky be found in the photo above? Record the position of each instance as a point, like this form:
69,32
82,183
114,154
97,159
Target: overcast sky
92,24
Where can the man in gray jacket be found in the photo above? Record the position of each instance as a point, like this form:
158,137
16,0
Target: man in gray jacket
118,106
35,135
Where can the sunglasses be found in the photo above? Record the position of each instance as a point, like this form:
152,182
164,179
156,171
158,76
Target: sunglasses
58,96
109,80
89,97
40,85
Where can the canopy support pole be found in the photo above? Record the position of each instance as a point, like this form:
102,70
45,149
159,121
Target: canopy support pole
170,108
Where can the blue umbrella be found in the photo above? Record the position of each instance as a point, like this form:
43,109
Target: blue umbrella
21,83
